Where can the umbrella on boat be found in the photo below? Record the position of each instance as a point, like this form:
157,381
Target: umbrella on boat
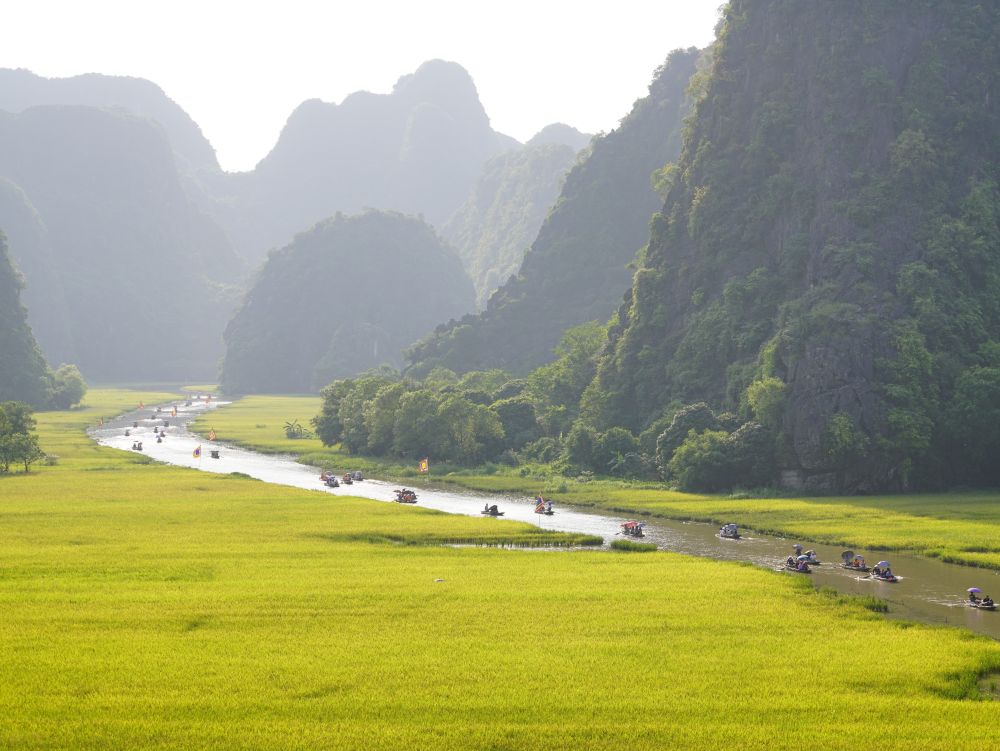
975,590
847,555
802,558
882,563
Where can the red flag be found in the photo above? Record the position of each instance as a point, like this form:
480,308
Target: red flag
141,405
211,434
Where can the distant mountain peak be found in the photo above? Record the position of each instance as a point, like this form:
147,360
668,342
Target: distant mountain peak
560,133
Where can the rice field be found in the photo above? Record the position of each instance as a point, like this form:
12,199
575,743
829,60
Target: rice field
144,606
956,527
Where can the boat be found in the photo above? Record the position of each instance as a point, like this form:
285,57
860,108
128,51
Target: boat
853,562
729,532
347,479
809,556
883,573
633,529
491,511
357,476
983,605
986,603
799,565
543,507
405,495
332,482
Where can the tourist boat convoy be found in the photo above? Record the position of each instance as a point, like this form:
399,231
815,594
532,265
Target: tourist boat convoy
800,563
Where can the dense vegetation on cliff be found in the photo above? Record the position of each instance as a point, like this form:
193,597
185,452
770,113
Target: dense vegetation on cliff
818,302
23,373
576,269
496,225
24,376
828,258
124,275
346,296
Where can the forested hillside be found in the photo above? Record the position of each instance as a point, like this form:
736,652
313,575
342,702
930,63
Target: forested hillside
828,258
577,267
418,150
346,296
124,275
496,225
23,373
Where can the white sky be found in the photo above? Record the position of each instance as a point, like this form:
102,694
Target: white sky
240,68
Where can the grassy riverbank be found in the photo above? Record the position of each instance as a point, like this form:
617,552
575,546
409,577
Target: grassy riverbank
957,527
146,606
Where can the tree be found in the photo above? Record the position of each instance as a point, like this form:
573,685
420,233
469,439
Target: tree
697,417
18,442
615,451
579,447
704,461
68,387
517,415
418,429
474,432
328,426
766,398
380,417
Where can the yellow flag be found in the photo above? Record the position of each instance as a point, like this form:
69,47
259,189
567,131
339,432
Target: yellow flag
424,466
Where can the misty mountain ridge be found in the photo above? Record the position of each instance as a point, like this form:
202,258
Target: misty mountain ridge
125,277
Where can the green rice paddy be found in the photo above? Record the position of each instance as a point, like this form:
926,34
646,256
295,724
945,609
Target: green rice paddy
144,606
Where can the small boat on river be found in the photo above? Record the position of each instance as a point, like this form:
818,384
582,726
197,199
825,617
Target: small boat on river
799,565
633,529
729,532
405,495
881,572
808,556
347,479
357,476
543,507
491,511
853,562
984,603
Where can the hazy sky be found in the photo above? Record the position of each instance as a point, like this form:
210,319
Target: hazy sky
240,68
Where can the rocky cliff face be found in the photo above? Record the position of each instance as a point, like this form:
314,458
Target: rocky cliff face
344,297
832,223
576,269
499,220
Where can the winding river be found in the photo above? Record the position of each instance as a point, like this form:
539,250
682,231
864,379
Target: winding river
929,590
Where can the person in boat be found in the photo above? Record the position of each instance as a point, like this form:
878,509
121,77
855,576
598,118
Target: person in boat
987,601
486,509
972,598
887,572
790,562
494,509
548,506
876,571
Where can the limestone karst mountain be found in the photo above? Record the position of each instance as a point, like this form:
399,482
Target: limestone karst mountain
577,267
343,297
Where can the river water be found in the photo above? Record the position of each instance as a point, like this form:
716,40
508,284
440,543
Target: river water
928,590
